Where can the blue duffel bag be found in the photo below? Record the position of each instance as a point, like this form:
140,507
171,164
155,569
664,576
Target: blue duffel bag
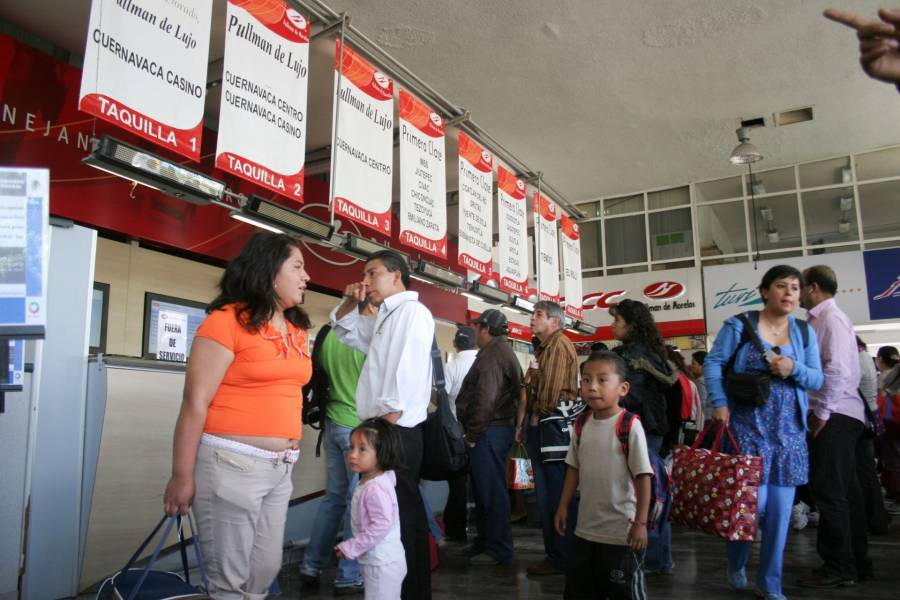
133,583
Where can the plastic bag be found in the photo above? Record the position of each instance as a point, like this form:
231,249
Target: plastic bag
519,474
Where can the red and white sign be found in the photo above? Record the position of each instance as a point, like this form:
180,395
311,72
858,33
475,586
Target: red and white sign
512,221
362,148
145,69
264,83
476,179
423,185
546,214
571,262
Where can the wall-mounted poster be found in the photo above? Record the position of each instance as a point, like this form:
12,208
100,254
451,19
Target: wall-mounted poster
362,148
476,180
145,69
571,261
883,283
512,221
264,83
545,217
423,196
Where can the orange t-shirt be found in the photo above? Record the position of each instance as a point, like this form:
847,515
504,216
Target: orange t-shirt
261,391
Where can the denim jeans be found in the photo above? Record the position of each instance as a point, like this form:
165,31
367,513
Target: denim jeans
487,464
548,484
334,511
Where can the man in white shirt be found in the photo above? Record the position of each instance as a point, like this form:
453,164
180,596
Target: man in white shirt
395,383
454,373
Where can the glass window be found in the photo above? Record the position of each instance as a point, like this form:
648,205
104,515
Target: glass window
624,205
591,255
777,222
722,227
826,172
879,204
725,261
678,264
877,245
767,182
671,234
877,165
777,255
830,216
590,209
719,189
669,198
834,249
626,240
626,270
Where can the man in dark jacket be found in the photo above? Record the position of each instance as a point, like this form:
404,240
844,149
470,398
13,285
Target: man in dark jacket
486,407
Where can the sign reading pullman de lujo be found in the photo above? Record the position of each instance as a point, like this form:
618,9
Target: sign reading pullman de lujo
476,179
145,69
362,148
262,122
512,221
571,262
545,213
423,196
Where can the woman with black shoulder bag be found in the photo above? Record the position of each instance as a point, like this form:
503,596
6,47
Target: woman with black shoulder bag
757,376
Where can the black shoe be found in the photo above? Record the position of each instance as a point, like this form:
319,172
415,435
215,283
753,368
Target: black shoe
825,581
308,581
349,590
472,550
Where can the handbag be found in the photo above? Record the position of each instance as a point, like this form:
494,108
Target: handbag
519,473
714,492
748,389
133,583
444,444
555,430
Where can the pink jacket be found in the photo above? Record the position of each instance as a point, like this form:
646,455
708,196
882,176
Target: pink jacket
376,522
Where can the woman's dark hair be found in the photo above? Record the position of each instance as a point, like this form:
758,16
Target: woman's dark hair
383,436
675,356
393,262
778,272
249,282
889,356
641,326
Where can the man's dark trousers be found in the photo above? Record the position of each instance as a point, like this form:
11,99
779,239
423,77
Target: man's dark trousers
413,522
841,540
487,465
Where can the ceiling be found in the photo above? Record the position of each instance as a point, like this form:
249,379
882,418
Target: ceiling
602,96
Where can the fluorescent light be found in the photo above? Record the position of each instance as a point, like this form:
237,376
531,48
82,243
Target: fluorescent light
486,293
135,164
522,305
432,273
288,220
237,216
582,328
364,248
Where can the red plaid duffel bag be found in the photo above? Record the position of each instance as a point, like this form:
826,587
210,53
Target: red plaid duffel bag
714,492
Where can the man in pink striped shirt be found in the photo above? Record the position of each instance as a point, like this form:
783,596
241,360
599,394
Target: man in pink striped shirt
836,424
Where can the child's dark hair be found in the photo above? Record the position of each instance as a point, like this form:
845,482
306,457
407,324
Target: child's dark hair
609,357
384,437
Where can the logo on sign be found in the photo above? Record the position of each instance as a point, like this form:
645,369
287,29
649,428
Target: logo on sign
883,282
552,209
296,18
436,119
575,227
664,290
381,79
601,300
893,291
486,156
737,296
520,184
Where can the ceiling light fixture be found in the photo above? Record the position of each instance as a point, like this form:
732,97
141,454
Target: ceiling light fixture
746,153
364,248
258,210
431,273
132,163
486,293
522,305
245,218
582,328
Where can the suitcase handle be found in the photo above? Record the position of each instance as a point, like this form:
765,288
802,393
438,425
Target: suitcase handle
153,558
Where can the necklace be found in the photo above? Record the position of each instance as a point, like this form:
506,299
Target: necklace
776,332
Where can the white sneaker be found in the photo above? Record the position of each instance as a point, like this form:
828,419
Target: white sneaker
799,516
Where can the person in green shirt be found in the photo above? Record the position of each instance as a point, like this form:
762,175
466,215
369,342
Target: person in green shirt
342,366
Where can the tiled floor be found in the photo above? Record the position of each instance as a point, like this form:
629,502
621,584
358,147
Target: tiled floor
699,572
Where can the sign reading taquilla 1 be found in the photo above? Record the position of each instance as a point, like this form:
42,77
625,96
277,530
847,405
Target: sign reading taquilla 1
145,69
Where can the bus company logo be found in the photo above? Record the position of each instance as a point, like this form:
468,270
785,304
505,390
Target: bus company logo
486,156
893,291
601,300
551,208
436,119
664,290
520,185
296,19
575,227
736,295
381,79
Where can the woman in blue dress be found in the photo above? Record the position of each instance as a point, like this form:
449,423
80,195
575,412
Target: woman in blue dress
776,430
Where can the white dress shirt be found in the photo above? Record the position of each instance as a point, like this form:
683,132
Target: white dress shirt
396,376
455,372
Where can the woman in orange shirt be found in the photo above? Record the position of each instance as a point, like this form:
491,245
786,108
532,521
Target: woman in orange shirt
238,432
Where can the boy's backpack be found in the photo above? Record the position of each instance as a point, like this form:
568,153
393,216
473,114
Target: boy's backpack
317,391
659,480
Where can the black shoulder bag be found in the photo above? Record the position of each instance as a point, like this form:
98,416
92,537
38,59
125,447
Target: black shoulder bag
748,389
444,444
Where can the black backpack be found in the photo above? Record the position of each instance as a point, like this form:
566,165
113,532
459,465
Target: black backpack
317,392
444,444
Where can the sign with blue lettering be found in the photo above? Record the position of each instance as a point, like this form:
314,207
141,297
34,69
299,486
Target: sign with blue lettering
883,282
24,248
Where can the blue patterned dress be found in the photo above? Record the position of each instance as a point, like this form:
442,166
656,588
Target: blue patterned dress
775,430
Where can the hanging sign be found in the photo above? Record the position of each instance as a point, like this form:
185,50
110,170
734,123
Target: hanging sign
571,260
145,69
171,336
423,196
24,247
362,148
476,179
512,221
264,83
545,213
883,283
